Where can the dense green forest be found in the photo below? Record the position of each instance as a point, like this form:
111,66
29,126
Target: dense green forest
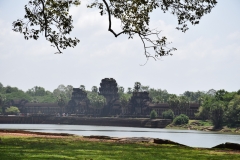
220,106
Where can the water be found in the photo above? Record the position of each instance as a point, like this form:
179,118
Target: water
187,137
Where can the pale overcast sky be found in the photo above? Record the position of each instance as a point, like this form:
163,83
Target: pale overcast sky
208,54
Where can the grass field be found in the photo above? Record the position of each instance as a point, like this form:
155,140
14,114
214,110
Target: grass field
21,148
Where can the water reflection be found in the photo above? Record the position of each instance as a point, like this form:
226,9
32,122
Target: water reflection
187,137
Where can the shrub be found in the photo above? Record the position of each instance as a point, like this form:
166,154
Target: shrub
12,110
153,114
169,114
181,119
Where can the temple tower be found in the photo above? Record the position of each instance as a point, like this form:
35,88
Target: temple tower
139,101
78,102
108,89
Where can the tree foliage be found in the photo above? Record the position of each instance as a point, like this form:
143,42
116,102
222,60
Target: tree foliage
153,114
12,110
2,102
221,107
1,87
2,99
233,111
220,94
96,101
129,90
137,87
158,95
181,119
82,87
204,110
51,17
145,88
120,89
66,91
183,103
169,114
124,99
194,96
217,113
173,101
61,100
36,91
95,89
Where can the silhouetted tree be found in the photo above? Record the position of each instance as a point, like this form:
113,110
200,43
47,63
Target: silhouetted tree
51,18
95,89
61,101
82,87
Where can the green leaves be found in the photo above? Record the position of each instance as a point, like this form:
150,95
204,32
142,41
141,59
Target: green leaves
2,100
233,111
96,101
153,114
168,114
52,19
94,89
124,99
37,91
137,87
173,101
61,100
181,119
217,113
12,110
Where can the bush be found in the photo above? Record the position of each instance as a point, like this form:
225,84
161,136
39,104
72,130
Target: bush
169,114
181,119
12,110
153,114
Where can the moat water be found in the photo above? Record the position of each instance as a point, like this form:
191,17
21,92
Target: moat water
187,137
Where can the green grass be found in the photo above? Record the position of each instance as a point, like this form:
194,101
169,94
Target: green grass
207,123
203,125
72,148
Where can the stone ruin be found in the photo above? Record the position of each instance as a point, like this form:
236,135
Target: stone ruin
79,101
139,102
109,89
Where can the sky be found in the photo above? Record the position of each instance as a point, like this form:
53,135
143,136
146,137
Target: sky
207,56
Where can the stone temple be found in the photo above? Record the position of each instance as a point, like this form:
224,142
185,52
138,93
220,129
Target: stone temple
139,105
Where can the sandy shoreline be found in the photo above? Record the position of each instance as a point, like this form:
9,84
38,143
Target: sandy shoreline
148,140
22,133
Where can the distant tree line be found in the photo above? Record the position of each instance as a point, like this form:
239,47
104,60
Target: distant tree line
220,106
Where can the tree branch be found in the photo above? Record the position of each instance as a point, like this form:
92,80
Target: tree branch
46,26
110,21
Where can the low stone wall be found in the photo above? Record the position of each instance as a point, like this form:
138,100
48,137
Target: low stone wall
22,119
101,121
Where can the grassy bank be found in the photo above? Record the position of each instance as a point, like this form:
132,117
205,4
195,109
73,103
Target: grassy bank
14,147
202,125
